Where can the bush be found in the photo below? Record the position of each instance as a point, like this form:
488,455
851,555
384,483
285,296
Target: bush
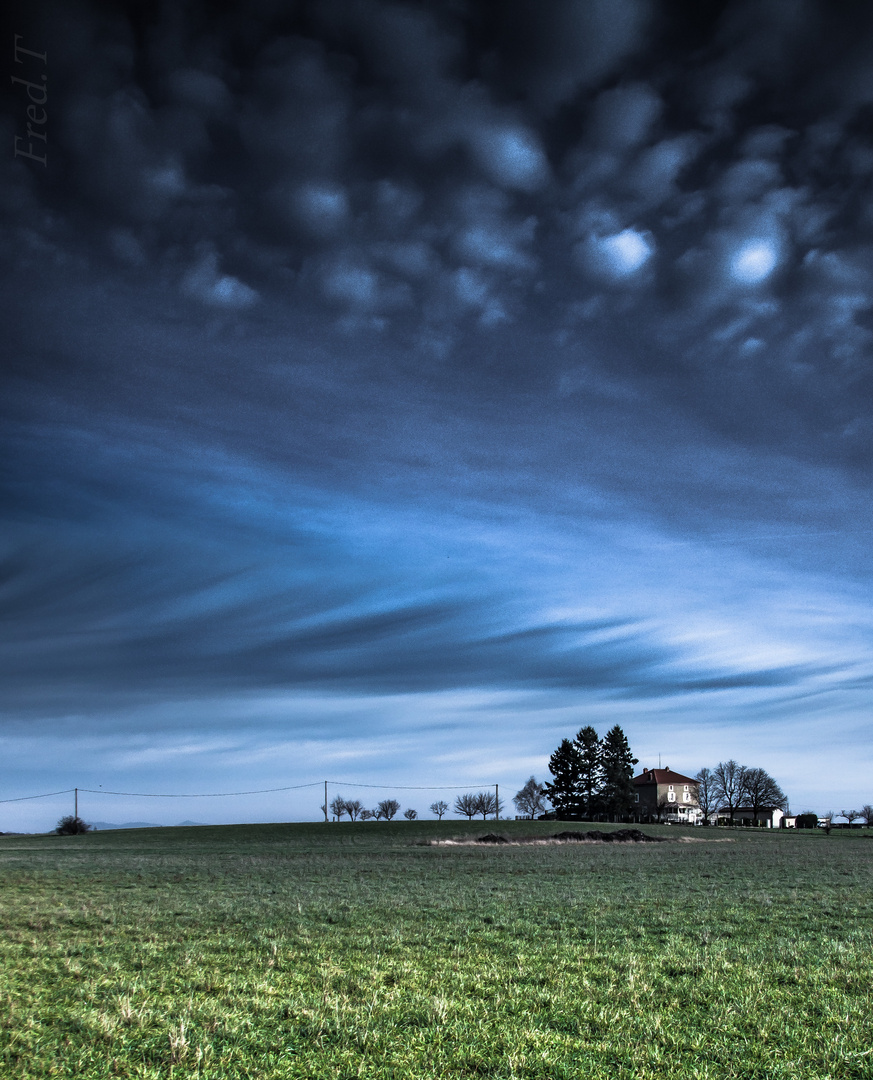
806,821
72,826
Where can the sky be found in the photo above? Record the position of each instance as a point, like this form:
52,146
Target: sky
391,389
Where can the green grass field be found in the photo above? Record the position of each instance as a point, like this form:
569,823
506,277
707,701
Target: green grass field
353,951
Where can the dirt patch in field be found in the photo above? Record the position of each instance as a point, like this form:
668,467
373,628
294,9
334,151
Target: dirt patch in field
617,836
592,836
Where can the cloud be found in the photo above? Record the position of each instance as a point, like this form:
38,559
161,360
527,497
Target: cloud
205,283
754,261
624,116
511,156
616,257
557,51
322,208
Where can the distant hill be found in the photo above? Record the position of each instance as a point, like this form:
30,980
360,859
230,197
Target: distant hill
102,826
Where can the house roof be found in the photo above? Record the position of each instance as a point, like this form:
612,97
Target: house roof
663,776
768,809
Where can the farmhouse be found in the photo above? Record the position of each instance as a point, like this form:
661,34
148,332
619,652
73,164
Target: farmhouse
664,795
770,817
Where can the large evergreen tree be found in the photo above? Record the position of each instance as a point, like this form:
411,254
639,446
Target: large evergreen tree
563,791
618,774
591,776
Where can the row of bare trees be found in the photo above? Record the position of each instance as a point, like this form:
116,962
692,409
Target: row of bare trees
485,803
729,786
865,814
469,806
386,810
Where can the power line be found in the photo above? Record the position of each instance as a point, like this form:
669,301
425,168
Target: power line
47,795
409,787
259,791
195,795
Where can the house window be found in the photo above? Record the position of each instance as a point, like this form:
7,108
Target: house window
636,796
671,795
685,788
687,797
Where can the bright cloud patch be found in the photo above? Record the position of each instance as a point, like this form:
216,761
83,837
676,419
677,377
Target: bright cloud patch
512,157
618,256
754,262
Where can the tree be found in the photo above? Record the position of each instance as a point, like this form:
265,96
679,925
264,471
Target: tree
410,814
618,774
71,825
387,808
337,807
761,791
563,792
807,820
354,808
663,807
850,815
867,815
367,814
487,803
706,796
591,777
728,786
439,808
530,800
466,805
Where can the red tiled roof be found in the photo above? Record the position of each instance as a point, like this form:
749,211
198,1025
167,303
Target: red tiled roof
663,776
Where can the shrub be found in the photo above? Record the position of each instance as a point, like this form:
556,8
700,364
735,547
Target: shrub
806,821
71,826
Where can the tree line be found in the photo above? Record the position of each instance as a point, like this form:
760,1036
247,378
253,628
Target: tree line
469,805
386,810
593,777
730,785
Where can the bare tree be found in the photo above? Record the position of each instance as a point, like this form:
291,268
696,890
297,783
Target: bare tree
337,807
487,804
728,785
387,808
366,815
706,796
410,814
761,791
531,800
354,808
663,807
867,815
467,805
439,808
850,815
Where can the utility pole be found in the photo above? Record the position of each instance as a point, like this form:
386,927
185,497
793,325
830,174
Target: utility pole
76,803
325,800
496,802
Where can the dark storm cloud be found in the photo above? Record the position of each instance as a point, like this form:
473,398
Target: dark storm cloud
425,170
511,270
